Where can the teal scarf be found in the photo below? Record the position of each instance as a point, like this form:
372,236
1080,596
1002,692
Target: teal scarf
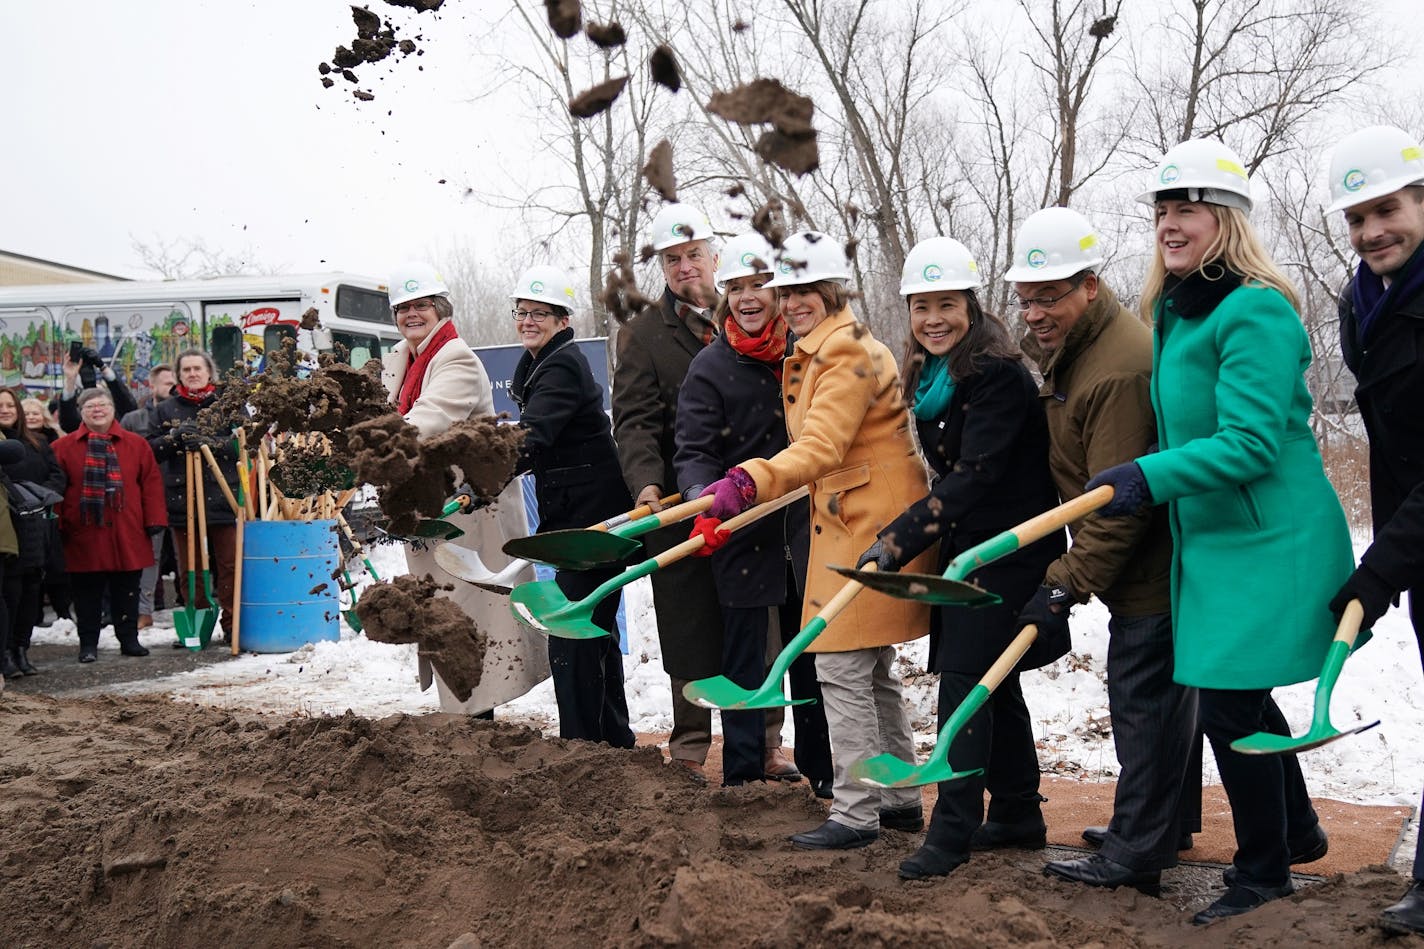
935,390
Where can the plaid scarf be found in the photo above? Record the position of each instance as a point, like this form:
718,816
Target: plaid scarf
103,482
696,321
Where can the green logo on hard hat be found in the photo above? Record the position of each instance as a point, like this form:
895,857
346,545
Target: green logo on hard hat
1037,258
1354,180
749,259
412,285
932,272
786,267
1170,174
682,230
536,286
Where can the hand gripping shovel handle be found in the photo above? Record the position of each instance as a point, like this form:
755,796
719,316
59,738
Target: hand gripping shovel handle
692,545
1033,529
638,526
637,514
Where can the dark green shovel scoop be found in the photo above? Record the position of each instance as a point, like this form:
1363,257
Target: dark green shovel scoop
888,771
1321,732
542,606
951,589
588,548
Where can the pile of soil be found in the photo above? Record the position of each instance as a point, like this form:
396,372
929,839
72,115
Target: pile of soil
408,610
135,821
415,477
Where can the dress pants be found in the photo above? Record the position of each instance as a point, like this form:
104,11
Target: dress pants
149,578
1416,617
1269,801
588,673
1154,722
998,739
89,588
865,714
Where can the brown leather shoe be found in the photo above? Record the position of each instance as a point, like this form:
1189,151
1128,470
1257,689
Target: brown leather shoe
144,621
779,767
692,769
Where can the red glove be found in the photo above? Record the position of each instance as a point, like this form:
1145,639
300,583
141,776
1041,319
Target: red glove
710,530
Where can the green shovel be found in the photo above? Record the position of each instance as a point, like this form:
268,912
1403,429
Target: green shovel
586,549
951,589
185,624
721,692
888,771
542,606
1321,732
206,617
352,618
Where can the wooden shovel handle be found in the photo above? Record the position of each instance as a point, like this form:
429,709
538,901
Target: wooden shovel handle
1011,656
694,544
201,503
636,514
220,479
1036,528
1350,622
191,532
843,597
681,512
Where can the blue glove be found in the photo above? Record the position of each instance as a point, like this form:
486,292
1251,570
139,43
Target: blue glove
1130,491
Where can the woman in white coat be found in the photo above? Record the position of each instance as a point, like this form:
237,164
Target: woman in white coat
435,380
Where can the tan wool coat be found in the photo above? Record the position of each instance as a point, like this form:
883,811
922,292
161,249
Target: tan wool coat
850,441
516,659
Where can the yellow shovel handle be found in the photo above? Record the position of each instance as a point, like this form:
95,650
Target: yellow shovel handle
694,544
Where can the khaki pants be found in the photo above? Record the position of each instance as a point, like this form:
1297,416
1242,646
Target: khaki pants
865,712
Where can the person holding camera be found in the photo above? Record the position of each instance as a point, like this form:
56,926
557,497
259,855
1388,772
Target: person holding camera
85,369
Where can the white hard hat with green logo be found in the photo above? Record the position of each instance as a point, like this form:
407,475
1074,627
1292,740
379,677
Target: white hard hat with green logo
415,279
679,223
1372,163
1206,170
743,256
1054,244
810,257
545,283
939,263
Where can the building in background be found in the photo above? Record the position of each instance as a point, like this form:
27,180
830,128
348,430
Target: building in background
17,269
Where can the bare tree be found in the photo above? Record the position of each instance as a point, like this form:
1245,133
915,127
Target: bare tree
190,258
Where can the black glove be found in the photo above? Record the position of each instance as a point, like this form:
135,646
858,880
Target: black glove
192,441
1048,610
1130,491
155,529
90,357
879,554
11,450
1373,591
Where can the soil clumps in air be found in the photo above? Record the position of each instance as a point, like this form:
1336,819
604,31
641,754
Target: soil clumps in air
791,141
565,17
408,610
663,66
659,171
606,35
596,99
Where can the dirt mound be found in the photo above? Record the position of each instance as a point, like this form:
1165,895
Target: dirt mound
136,822
407,610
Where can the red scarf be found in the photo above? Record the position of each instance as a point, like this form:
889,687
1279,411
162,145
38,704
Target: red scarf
196,396
768,346
415,369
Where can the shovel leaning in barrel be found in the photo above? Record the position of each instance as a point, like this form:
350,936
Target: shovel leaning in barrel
594,547
194,626
1321,732
542,606
888,771
463,563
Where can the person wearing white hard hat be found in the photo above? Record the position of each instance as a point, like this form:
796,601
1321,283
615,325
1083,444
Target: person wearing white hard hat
850,443
435,380
730,410
577,481
654,350
1095,358
982,431
1377,181
1247,496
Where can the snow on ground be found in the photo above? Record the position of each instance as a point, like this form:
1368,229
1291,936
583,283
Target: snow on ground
1068,700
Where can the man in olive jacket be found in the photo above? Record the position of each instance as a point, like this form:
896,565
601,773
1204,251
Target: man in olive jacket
1096,360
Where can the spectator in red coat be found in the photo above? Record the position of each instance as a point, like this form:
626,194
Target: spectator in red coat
113,504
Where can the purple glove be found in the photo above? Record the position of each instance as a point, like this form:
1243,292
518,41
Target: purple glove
732,495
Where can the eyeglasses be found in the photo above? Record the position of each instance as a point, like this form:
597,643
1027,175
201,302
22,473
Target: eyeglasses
538,316
1044,303
419,307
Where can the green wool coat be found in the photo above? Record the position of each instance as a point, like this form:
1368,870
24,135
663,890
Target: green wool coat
1261,542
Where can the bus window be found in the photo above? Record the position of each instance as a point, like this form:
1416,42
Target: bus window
363,348
356,303
273,335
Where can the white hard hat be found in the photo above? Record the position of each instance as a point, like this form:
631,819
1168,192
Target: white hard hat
939,263
1207,170
545,284
677,224
415,279
743,256
1054,244
809,257
1372,163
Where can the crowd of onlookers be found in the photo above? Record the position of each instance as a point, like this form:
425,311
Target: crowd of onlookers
96,487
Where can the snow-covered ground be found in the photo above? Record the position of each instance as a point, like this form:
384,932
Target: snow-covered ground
1068,699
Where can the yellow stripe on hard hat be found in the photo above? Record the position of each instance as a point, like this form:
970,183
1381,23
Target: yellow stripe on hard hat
1230,167
1412,153
1085,242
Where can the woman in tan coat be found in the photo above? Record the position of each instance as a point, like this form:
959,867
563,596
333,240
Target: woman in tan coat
851,444
435,380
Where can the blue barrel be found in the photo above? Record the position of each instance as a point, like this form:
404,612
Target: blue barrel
283,562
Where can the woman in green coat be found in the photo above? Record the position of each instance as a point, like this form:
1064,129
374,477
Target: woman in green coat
1261,542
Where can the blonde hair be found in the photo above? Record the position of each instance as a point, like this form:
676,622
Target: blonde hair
1237,248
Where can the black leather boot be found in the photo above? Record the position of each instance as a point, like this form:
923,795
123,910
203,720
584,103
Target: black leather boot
8,669
22,659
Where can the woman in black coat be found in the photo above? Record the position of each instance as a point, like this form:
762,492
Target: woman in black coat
729,410
984,434
568,445
24,577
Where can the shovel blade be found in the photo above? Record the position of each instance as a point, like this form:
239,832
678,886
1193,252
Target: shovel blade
1265,743
543,607
722,693
573,549
887,771
187,632
922,587
463,563
434,527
